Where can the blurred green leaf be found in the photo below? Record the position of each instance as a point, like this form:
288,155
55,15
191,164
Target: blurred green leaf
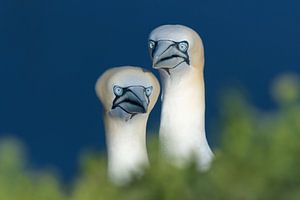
258,158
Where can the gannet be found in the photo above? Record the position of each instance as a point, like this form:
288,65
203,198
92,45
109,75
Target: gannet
177,52
128,95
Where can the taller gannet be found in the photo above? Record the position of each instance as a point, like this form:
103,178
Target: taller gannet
177,52
128,95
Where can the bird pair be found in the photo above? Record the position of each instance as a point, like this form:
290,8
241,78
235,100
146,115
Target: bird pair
128,95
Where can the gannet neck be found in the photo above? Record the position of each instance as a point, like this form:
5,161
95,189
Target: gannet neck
177,52
128,95
126,146
182,129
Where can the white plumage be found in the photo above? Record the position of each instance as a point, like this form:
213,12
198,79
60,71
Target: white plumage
177,52
128,95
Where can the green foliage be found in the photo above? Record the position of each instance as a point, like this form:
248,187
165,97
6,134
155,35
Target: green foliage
16,182
258,158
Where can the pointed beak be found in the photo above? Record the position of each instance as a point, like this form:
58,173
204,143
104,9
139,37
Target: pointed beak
133,100
161,51
166,55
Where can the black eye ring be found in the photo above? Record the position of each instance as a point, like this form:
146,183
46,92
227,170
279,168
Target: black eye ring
148,91
118,91
183,46
151,44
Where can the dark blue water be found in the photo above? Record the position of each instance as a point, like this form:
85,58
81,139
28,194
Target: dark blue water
51,53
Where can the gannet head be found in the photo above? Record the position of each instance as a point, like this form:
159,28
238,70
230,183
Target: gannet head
126,92
175,48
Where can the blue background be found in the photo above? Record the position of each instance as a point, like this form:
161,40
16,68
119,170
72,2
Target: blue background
52,52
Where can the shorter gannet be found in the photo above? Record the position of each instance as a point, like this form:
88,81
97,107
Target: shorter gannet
128,95
177,52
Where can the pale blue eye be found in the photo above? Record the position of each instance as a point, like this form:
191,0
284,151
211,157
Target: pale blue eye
148,91
118,90
151,44
183,46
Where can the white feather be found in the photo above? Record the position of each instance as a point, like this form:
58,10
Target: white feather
182,127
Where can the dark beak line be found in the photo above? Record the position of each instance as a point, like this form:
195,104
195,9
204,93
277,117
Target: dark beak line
138,98
131,103
169,57
171,45
166,51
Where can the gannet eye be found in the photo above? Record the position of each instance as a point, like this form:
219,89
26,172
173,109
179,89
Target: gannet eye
148,91
151,44
183,46
118,90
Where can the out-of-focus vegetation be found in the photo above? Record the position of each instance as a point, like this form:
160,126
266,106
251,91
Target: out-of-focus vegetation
258,157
